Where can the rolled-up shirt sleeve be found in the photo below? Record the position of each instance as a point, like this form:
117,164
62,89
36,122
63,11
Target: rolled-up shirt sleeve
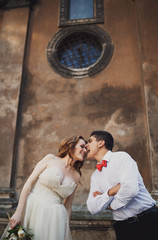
128,175
98,203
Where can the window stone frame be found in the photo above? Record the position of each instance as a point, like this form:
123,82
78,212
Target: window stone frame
64,13
101,63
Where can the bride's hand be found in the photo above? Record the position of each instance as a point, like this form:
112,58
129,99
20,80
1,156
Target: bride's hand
15,219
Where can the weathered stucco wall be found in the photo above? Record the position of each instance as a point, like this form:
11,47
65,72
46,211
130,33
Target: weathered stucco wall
148,19
12,44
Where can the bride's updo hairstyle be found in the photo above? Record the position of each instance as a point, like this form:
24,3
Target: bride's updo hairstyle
67,147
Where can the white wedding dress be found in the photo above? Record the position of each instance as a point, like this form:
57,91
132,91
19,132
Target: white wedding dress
45,214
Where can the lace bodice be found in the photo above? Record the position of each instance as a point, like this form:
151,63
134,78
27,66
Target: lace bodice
51,184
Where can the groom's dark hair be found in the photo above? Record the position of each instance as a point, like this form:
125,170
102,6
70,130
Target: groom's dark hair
106,136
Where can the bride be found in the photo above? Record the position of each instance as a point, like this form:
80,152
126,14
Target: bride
55,178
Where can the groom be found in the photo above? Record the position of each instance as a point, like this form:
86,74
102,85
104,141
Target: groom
116,184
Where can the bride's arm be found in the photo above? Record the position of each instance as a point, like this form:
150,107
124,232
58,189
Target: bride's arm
16,218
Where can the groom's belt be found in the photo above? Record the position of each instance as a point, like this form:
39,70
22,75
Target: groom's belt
139,216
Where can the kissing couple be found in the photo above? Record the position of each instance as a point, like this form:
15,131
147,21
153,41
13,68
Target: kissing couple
46,198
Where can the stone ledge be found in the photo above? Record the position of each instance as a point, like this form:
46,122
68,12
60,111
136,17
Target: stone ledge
82,213
7,203
82,219
6,193
85,215
91,225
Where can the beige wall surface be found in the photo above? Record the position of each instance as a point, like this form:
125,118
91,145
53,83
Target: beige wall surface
13,25
148,19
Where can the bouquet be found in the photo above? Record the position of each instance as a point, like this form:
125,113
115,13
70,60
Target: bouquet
18,233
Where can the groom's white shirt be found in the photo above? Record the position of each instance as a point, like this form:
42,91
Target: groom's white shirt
132,198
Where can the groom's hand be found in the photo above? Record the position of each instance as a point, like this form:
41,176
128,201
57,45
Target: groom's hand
96,193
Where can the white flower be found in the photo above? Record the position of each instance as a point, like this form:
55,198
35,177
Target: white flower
21,233
13,237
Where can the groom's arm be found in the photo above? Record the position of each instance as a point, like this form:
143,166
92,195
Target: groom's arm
98,201
111,192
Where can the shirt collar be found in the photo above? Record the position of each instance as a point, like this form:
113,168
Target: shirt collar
107,156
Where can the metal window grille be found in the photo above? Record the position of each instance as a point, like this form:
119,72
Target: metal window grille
79,50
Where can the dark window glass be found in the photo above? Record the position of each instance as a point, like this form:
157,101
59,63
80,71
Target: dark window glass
81,9
79,50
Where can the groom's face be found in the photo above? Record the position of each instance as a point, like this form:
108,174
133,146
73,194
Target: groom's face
92,148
